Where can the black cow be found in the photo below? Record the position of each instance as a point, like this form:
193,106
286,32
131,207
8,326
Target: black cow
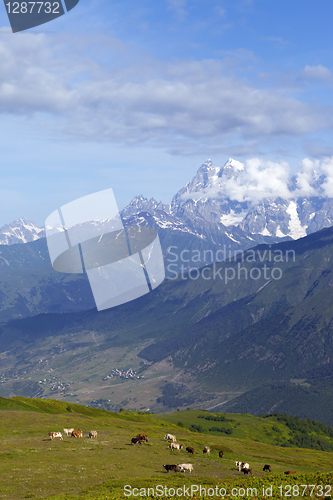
267,467
170,467
221,454
135,440
189,449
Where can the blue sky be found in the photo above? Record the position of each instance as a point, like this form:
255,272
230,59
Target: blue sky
137,95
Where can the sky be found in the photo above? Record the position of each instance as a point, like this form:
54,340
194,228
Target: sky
135,96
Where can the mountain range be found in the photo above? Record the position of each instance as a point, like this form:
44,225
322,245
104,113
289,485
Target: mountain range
203,209
252,333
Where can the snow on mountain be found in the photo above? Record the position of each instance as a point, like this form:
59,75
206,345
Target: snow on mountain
208,177
296,230
207,196
20,231
208,208
141,204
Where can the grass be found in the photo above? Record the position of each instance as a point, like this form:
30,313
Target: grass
275,487
32,466
243,426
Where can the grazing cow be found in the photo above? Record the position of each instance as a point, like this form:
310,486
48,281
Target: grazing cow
170,437
267,467
221,454
184,467
143,437
55,435
247,471
170,467
176,446
189,449
76,434
68,431
93,434
206,450
290,472
135,441
242,465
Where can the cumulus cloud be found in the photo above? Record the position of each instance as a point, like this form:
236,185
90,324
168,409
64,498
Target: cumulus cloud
327,169
261,179
164,104
307,177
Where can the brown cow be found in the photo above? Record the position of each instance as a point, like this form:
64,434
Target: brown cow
247,471
189,449
55,435
290,472
77,434
142,437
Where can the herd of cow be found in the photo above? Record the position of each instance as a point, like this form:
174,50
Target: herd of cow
139,438
73,433
242,466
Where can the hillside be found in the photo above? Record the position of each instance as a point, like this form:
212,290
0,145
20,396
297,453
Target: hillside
100,468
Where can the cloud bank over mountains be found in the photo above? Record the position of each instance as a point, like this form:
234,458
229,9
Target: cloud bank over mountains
260,179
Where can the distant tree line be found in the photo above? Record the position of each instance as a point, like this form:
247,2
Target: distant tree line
306,433
199,428
216,418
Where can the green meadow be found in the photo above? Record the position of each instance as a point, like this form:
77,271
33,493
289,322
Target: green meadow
33,466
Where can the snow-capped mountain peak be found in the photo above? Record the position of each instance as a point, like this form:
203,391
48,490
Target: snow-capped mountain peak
142,204
20,231
208,180
205,208
234,164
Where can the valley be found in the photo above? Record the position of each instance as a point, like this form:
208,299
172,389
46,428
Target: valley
193,342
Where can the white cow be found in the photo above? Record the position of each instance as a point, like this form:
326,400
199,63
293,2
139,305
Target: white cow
93,434
55,435
184,467
176,446
242,465
170,437
68,431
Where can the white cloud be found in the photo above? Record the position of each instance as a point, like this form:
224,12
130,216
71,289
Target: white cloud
327,169
316,73
306,177
262,179
192,102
